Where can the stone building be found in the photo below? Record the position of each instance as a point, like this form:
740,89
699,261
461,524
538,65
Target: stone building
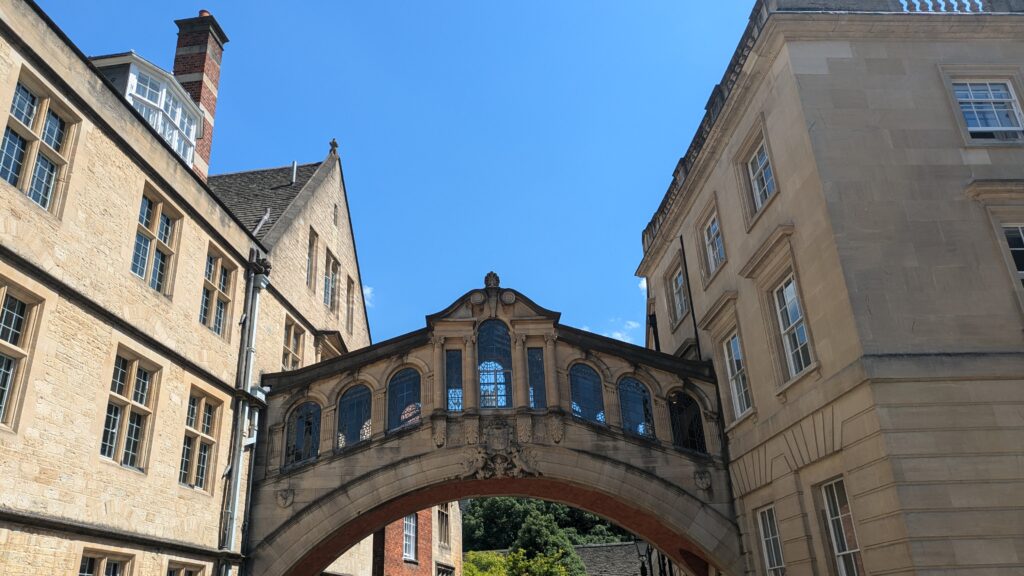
141,300
843,239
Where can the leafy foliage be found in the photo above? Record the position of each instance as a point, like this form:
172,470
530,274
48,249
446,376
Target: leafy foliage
494,523
539,565
484,564
540,539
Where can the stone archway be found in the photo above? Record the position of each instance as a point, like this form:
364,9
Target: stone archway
304,514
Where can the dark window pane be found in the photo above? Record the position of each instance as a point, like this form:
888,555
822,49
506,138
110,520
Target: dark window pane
494,355
303,433
24,105
587,396
12,320
453,379
535,367
404,399
53,131
637,410
11,157
354,416
687,427
43,178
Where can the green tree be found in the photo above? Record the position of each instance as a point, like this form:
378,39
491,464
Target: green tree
484,564
540,565
493,523
541,537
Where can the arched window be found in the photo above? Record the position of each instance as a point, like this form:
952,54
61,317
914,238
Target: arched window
494,355
637,409
404,399
354,416
303,434
587,398
687,427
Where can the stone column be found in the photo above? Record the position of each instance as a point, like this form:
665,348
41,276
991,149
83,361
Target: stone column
438,399
470,382
379,420
520,382
551,373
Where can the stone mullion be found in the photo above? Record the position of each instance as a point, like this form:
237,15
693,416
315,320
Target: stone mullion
521,393
379,422
551,373
435,399
470,382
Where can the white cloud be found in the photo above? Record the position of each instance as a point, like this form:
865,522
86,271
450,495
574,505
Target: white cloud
625,332
631,325
643,284
368,296
619,335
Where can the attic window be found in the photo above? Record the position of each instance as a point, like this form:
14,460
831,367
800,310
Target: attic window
335,215
165,111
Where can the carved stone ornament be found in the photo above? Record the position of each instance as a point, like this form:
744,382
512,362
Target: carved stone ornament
477,298
499,455
556,428
440,430
472,429
524,428
702,478
285,498
508,297
492,280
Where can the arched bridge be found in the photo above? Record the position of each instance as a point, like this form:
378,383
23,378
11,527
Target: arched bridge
492,397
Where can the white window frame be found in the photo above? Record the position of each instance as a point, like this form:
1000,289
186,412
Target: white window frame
1006,243
679,303
832,515
754,173
714,244
171,114
793,328
736,370
410,532
294,338
311,253
1014,103
771,541
332,276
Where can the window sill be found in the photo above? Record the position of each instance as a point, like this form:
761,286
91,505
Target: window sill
814,369
764,207
711,277
750,414
195,489
114,463
679,322
411,561
987,143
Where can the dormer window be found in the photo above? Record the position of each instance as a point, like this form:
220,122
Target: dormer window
166,107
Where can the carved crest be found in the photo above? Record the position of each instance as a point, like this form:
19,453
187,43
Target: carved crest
472,429
702,478
524,428
285,498
440,430
556,429
499,455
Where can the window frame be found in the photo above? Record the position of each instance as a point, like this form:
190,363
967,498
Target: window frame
128,404
152,232
784,331
332,275
957,73
734,373
195,430
214,292
771,569
175,568
312,250
755,139
1016,272
827,517
294,342
600,417
410,536
158,108
102,558
350,304
766,167
20,354
642,392
1014,101
365,429
444,533
680,299
711,263
35,146
315,416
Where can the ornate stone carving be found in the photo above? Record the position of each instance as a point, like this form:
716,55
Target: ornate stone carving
524,428
492,280
285,498
437,340
499,455
440,429
471,424
702,478
477,298
508,297
556,428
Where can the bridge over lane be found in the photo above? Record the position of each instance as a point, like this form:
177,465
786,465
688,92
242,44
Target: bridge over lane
492,397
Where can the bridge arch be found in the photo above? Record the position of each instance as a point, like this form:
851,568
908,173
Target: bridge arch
306,513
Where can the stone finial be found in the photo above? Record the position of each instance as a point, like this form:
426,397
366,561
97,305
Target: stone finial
492,280
334,146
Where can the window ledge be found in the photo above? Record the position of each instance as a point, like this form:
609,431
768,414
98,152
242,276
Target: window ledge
711,277
757,213
679,322
410,561
750,414
986,143
814,369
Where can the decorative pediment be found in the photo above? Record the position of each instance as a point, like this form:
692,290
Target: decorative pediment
493,301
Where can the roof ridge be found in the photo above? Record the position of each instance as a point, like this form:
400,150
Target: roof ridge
264,169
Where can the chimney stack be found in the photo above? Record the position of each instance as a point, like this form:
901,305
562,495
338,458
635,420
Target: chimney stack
197,68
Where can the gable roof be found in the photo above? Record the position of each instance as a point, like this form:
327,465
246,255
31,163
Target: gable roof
249,195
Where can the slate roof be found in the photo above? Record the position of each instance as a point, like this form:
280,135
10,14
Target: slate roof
249,194
619,559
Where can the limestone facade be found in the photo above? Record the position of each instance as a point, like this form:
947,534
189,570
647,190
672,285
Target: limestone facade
888,214
93,456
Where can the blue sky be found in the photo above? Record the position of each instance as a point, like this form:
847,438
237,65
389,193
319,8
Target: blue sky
533,138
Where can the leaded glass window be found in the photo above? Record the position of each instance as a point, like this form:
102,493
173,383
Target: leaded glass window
637,408
197,449
24,105
494,354
154,243
215,299
535,367
354,416
44,177
404,399
34,169
13,317
303,434
687,424
453,379
12,156
587,395
125,425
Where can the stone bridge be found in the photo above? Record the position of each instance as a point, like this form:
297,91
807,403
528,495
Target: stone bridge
492,397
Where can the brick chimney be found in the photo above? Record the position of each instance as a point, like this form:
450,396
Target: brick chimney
197,67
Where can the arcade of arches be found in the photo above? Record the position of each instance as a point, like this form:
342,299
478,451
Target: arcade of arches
492,397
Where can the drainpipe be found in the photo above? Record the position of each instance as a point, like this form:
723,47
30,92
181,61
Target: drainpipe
689,297
256,280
